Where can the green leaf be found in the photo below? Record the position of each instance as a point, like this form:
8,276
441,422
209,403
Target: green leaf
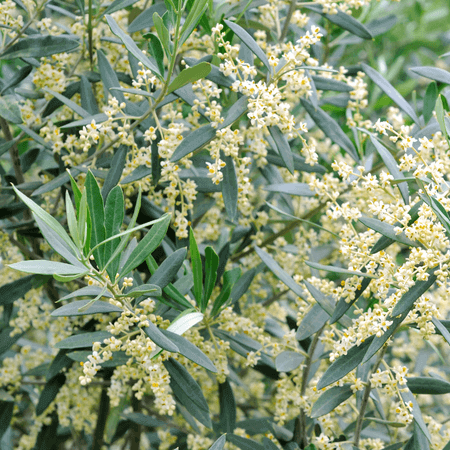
390,91
330,399
192,19
250,43
283,147
170,290
331,128
6,414
343,306
326,303
197,268
229,186
244,443
114,215
87,97
269,445
345,364
418,419
190,351
190,75
58,244
229,279
144,420
314,320
339,270
6,340
391,164
168,270
131,46
49,392
188,392
343,20
14,290
276,269
429,101
109,80
241,286
420,440
42,267
220,443
111,416
330,84
145,18
76,309
227,402
387,230
72,105
83,340
72,222
205,134
160,339
428,385
299,189
406,303
155,49
117,5
147,245
97,215
211,266
9,109
434,73
48,219
144,289
60,362
19,76
163,33
288,360
440,326
88,291
440,115
36,46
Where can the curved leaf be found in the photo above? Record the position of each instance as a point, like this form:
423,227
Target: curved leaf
330,399
434,73
331,128
40,266
300,189
390,91
155,334
190,75
76,309
83,340
283,147
288,360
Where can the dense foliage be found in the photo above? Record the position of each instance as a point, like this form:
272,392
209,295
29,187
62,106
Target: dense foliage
224,225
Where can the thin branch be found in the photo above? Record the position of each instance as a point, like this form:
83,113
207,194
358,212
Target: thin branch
292,8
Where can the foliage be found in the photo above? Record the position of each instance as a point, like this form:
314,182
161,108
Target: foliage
225,225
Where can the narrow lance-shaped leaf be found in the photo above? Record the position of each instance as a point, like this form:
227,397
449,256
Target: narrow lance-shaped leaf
155,334
345,363
9,109
197,268
48,219
288,360
220,443
283,147
230,187
211,266
188,392
250,43
50,392
391,164
429,101
167,271
418,419
97,214
46,267
192,19
131,46
390,91
387,230
331,128
229,279
147,245
190,75
276,269
76,309
434,73
10,292
114,215
189,350
36,46
227,403
145,18
331,399
72,105
343,20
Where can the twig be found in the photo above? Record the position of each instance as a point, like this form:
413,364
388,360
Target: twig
291,10
300,424
103,412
